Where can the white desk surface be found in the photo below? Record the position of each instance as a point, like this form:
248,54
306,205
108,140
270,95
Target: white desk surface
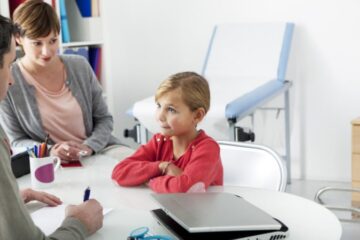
306,219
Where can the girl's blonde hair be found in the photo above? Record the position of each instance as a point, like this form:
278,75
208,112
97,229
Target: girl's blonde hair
194,89
36,18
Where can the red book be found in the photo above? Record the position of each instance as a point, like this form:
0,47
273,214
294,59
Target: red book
72,164
13,4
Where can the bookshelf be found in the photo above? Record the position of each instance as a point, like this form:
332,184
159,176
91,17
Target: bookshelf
83,32
4,8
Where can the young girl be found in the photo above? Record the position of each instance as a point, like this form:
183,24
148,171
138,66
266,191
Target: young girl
181,156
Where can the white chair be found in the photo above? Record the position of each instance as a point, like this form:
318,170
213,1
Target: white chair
252,165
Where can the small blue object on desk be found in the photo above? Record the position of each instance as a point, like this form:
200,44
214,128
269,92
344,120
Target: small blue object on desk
142,233
87,194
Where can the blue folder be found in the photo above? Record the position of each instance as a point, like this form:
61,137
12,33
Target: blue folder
82,51
64,22
84,7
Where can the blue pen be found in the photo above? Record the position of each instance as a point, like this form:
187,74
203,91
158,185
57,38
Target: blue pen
87,194
35,151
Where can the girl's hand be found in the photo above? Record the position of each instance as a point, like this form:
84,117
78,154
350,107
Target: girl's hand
31,195
173,170
168,168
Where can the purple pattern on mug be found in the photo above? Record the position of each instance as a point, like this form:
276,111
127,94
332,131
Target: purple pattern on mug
45,173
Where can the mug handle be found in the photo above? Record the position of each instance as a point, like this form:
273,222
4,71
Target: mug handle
57,164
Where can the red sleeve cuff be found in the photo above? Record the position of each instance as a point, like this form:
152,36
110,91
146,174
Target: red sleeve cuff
154,168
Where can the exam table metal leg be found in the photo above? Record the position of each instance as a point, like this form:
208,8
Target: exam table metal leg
139,133
232,130
287,136
144,134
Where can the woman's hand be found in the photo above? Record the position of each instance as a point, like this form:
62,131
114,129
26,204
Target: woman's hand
70,151
30,195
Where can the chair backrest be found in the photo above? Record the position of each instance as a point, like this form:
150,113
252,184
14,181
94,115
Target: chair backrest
252,165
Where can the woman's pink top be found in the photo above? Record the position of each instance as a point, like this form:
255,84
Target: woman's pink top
60,112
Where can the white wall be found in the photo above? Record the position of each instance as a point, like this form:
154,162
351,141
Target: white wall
147,40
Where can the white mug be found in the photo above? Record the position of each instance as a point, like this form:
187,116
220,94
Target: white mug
42,171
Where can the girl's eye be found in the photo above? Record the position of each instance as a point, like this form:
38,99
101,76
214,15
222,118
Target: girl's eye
158,105
53,41
171,110
36,43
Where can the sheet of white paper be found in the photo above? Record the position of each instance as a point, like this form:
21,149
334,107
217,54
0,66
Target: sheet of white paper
48,219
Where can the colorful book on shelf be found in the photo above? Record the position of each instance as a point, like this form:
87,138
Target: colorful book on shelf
51,2
98,65
84,7
95,60
95,10
82,51
13,4
64,22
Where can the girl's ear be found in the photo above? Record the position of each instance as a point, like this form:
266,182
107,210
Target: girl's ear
18,40
199,114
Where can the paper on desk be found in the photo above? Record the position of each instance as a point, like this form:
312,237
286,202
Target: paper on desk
48,219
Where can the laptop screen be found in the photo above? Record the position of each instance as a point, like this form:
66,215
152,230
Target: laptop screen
213,212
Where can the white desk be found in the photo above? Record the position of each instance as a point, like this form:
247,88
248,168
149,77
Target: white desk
306,219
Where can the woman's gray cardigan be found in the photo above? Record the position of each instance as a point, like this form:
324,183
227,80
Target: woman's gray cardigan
20,116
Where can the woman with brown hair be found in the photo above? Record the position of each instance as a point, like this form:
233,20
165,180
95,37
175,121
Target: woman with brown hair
80,221
53,94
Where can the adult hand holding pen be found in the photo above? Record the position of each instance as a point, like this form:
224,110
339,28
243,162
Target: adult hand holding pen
70,151
90,213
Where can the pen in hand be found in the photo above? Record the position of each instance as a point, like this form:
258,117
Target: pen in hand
87,194
46,152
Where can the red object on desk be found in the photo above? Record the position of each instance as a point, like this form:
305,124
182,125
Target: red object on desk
72,164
